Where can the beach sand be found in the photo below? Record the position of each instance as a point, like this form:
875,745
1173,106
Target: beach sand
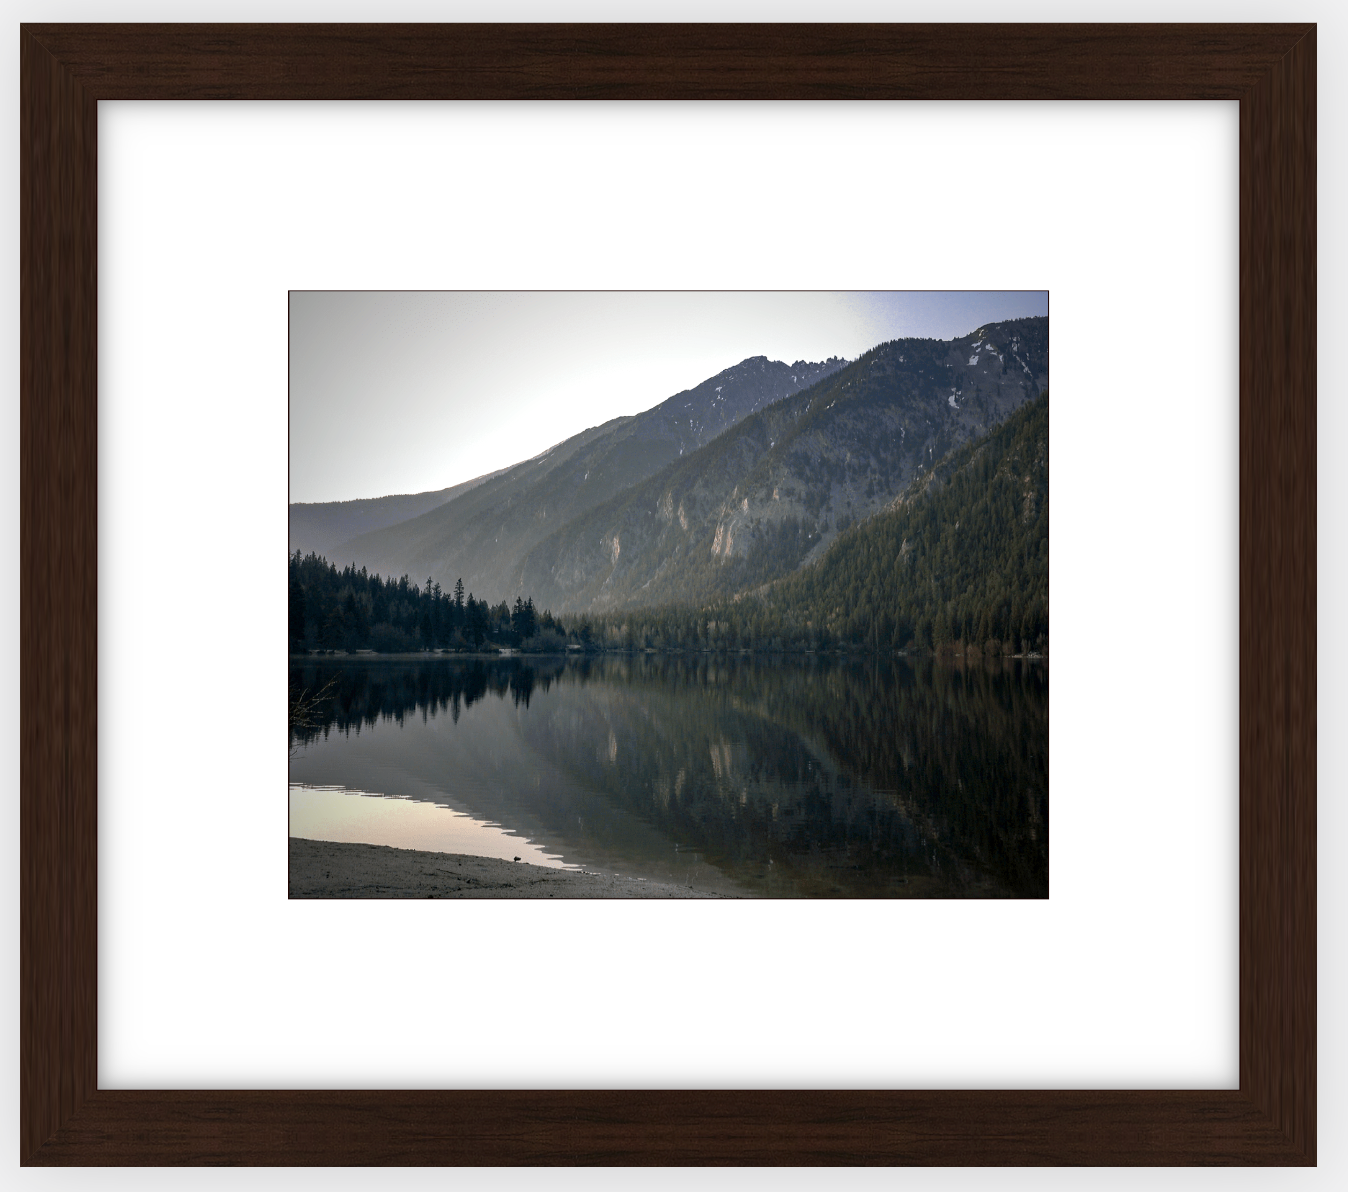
325,869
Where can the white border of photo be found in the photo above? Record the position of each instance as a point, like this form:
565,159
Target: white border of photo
1125,977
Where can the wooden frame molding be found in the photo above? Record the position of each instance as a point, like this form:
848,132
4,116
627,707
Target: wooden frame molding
67,69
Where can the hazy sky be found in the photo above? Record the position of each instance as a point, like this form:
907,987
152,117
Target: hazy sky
408,392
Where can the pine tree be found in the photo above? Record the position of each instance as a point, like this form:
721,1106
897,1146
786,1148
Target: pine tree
296,610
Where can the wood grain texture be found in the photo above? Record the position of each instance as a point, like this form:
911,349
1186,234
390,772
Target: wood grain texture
666,61
65,70
1277,594
669,1128
58,611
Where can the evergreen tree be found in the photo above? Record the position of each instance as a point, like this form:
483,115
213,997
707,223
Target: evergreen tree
296,608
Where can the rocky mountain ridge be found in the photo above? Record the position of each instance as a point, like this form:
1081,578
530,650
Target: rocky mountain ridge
772,493
482,535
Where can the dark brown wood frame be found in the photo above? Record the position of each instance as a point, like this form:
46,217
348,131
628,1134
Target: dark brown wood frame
66,69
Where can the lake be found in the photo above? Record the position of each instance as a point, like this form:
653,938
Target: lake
795,776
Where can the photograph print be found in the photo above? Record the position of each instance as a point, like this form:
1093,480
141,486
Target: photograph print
668,594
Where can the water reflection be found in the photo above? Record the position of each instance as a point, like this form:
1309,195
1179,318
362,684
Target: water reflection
794,777
363,817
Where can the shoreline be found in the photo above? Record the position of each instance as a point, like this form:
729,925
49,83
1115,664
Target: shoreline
332,869
522,655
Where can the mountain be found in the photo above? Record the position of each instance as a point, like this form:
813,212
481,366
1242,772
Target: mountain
321,527
961,555
482,535
771,494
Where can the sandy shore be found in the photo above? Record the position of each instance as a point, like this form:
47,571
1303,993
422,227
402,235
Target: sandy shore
324,869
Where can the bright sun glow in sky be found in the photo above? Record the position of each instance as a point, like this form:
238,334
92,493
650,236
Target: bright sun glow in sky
410,392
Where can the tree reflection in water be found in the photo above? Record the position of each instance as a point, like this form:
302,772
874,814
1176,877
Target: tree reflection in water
816,777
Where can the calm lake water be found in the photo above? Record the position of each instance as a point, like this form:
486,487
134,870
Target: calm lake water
785,777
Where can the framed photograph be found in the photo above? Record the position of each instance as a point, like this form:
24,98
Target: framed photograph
68,70
670,645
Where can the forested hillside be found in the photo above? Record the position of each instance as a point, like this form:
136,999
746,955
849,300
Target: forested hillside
961,557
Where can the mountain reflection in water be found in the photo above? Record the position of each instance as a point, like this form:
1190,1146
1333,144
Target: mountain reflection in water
814,777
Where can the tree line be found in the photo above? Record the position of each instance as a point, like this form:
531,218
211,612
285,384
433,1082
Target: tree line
351,610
